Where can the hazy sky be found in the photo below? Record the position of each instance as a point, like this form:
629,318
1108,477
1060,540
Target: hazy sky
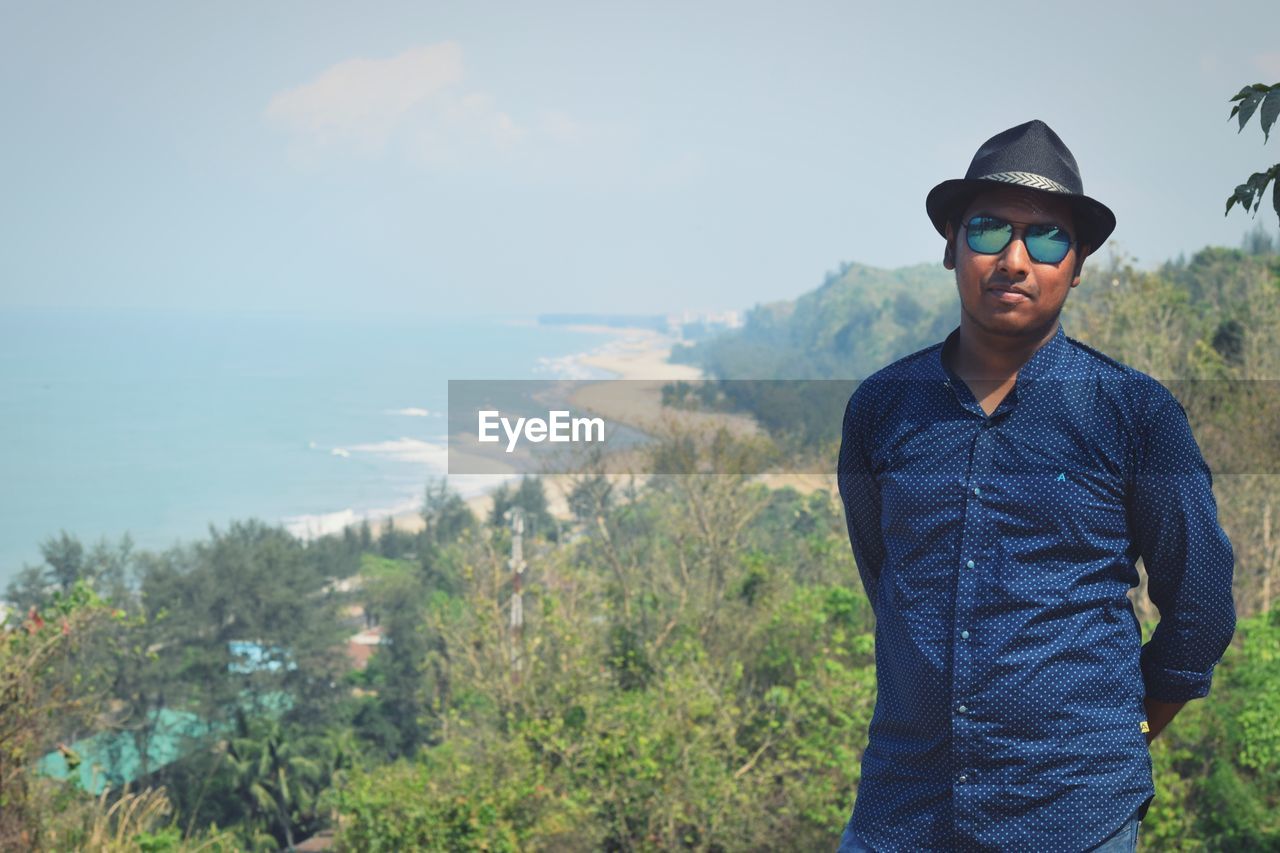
593,156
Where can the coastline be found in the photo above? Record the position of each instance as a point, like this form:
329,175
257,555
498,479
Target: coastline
285,426
631,354
640,357
626,375
634,354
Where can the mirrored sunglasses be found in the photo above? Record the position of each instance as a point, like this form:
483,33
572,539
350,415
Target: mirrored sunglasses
1046,243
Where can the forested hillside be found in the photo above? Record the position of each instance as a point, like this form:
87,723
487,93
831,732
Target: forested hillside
859,319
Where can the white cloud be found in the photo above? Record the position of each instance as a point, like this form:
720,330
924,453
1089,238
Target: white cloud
362,101
416,105
478,113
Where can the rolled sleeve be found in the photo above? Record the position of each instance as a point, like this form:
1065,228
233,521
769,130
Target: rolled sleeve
1188,559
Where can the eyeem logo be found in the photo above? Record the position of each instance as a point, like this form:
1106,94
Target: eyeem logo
558,427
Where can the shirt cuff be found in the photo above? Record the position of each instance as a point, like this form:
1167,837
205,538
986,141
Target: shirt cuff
1174,685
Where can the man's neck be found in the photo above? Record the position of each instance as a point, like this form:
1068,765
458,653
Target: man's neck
982,357
989,364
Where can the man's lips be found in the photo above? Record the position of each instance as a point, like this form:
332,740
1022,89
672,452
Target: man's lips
1007,293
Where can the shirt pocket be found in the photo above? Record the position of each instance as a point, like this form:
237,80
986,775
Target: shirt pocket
1052,526
1050,508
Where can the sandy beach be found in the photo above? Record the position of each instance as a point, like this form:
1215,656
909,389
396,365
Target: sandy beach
637,355
640,358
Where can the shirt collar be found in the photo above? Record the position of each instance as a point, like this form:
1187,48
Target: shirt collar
1041,364
1046,361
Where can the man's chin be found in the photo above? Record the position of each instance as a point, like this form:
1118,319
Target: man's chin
1014,326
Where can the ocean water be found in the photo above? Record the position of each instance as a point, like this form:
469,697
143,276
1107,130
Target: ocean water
161,424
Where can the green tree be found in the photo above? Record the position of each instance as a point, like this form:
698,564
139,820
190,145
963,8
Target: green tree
42,696
105,568
530,496
396,719
250,584
64,556
679,685
446,514
277,776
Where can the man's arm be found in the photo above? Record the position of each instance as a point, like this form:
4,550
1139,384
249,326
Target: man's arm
1188,560
860,493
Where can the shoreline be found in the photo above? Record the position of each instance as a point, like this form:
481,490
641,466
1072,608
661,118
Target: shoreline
631,354
638,356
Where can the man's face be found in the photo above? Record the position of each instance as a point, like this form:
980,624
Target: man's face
1009,294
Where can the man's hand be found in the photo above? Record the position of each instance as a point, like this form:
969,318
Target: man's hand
1159,714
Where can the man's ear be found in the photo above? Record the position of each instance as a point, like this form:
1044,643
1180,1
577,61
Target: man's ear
1085,251
949,253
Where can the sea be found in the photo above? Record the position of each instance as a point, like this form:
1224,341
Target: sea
160,424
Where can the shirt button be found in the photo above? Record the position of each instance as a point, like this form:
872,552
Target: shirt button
964,634
977,491
962,778
962,709
971,564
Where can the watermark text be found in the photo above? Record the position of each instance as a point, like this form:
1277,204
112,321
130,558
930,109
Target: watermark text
558,426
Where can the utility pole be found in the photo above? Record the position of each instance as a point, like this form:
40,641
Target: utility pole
517,565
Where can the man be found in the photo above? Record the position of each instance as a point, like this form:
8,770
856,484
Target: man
999,488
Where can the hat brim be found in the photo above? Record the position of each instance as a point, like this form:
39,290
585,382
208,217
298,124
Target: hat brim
1094,220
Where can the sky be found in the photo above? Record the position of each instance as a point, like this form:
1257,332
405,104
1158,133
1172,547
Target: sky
475,158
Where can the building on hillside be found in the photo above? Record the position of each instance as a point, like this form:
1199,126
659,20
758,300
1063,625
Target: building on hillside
362,646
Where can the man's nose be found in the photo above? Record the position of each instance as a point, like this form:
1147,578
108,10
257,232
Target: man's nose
1014,260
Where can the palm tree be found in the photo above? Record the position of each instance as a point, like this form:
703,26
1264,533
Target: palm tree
272,774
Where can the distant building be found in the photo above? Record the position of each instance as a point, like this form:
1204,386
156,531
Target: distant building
362,646
342,585
696,325
248,658
113,758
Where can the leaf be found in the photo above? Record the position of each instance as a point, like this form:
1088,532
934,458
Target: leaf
1246,194
263,797
1247,106
1245,92
1242,196
1270,110
1258,185
1250,194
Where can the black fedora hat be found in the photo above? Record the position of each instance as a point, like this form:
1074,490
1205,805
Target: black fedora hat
1032,156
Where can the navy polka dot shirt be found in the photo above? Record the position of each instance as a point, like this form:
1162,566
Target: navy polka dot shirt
997,552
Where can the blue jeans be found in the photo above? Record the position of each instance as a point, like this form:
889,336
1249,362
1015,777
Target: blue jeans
1124,840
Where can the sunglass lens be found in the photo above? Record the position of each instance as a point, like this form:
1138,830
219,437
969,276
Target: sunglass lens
987,235
1047,244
